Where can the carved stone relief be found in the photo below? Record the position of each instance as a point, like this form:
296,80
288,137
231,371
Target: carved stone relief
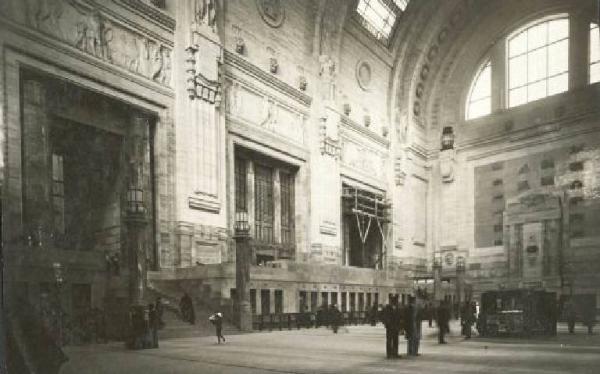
271,11
363,75
263,111
83,26
363,159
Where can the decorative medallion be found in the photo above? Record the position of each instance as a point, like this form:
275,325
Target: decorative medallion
363,75
271,11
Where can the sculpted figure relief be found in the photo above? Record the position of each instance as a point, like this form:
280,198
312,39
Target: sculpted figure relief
205,13
94,35
44,15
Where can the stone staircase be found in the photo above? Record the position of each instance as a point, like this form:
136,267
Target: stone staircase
175,327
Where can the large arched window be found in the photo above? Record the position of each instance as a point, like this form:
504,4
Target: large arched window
594,53
479,102
538,61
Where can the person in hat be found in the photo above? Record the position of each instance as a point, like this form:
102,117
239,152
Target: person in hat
392,320
413,327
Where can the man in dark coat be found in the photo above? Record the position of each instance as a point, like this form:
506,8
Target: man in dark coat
413,327
373,314
392,320
153,324
571,317
159,312
187,309
443,319
335,318
589,318
468,318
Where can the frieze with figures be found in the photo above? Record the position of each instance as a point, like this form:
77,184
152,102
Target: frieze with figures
81,24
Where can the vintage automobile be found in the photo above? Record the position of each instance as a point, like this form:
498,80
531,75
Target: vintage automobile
518,312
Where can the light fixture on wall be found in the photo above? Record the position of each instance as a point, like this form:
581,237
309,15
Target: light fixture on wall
58,274
135,200
447,138
241,225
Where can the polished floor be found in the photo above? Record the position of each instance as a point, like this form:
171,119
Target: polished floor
357,349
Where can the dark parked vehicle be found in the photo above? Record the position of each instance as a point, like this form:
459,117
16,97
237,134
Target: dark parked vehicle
517,312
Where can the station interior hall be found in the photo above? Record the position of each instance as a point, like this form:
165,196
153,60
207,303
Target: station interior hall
281,164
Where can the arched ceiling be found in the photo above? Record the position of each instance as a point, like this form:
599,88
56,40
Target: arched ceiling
438,49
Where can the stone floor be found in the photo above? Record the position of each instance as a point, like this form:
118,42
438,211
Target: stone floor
357,349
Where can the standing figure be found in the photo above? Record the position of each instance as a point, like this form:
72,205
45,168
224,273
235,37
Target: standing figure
443,318
217,320
159,312
187,309
373,314
589,319
153,324
468,318
413,327
392,320
335,318
571,317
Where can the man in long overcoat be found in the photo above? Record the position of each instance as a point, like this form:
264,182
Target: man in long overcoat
392,320
413,327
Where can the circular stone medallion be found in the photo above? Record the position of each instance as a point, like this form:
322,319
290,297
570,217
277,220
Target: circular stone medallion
363,75
271,11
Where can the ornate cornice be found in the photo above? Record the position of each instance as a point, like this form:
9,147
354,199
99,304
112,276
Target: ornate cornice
352,125
266,78
149,12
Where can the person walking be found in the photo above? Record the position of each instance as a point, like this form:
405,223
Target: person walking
413,327
217,320
392,320
443,319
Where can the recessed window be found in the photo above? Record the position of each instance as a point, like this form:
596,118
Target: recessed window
379,16
523,185
576,185
594,75
480,97
547,181
498,242
497,182
547,164
538,62
576,166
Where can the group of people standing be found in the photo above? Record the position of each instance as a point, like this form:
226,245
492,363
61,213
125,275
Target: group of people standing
398,319
144,324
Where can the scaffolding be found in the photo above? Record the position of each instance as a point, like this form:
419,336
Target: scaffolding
367,207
